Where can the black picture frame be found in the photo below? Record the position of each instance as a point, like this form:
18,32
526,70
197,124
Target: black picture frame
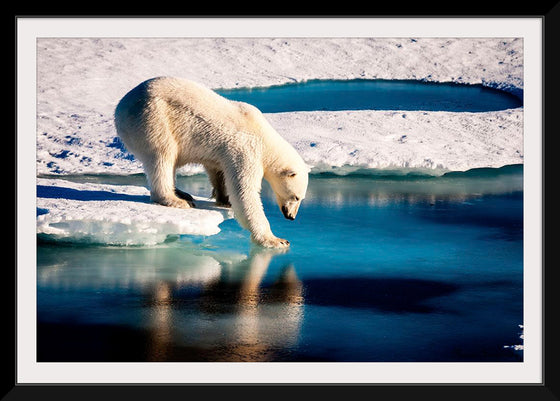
548,390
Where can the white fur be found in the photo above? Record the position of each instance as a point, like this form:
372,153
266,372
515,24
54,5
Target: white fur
169,122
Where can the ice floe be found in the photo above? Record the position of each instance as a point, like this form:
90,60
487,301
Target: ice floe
117,214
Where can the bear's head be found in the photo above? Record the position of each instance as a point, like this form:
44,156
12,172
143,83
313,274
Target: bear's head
290,186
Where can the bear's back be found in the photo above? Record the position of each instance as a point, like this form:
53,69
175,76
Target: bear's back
182,93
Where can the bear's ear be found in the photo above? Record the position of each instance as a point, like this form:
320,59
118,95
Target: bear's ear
288,173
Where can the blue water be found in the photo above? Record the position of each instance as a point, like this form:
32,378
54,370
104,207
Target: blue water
380,269
363,94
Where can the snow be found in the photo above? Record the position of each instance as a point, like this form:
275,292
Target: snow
117,214
429,142
80,81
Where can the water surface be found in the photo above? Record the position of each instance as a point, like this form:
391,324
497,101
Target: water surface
363,94
381,269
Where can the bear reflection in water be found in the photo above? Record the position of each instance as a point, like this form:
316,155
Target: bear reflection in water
243,320
204,310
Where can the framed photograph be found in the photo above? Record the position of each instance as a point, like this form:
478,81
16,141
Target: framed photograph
213,201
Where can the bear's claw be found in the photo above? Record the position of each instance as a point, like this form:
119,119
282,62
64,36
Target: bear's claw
185,196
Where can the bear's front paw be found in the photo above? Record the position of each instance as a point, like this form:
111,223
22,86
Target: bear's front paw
274,242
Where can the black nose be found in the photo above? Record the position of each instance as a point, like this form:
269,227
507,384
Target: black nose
285,213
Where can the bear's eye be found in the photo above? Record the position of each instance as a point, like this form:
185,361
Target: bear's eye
296,198
288,173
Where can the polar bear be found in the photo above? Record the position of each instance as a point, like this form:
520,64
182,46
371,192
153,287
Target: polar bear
167,122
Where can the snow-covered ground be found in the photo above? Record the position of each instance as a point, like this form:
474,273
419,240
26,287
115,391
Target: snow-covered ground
117,214
80,81
428,142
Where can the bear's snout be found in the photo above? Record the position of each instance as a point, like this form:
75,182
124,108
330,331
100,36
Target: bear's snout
287,214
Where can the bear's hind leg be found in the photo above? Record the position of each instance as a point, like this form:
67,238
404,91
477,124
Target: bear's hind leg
161,178
219,192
